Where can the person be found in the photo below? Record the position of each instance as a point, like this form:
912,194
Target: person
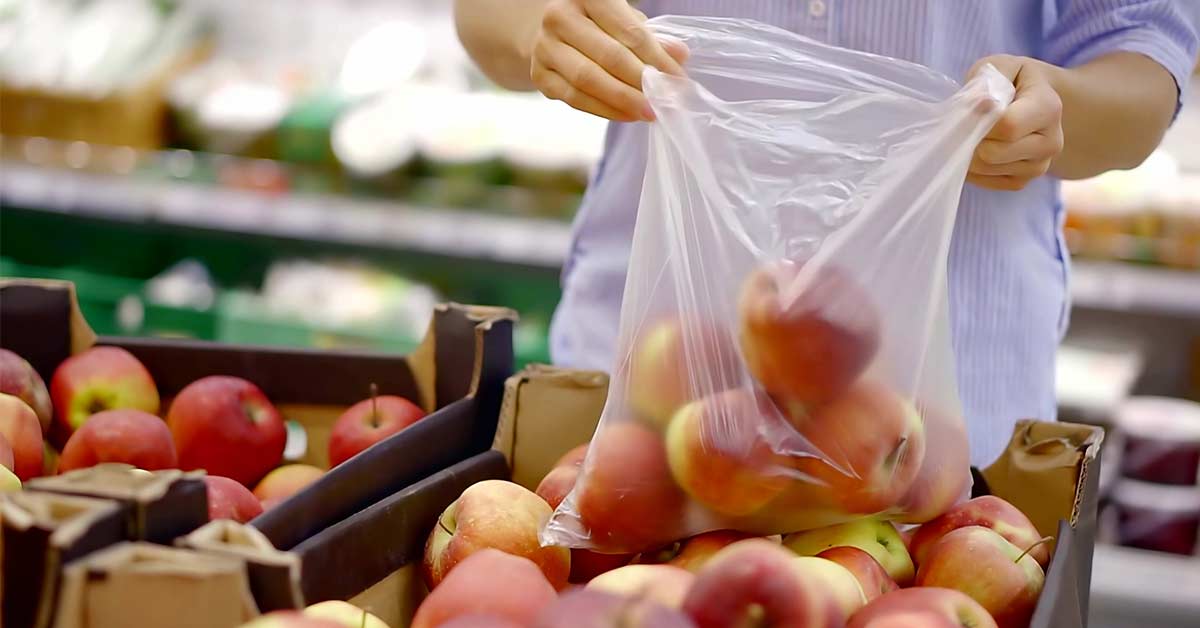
1097,82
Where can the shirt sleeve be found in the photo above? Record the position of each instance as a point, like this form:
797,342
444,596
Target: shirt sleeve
1159,29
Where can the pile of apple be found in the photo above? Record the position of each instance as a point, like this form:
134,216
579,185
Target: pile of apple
978,565
779,422
102,406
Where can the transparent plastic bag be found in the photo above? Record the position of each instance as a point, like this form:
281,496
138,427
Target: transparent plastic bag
784,357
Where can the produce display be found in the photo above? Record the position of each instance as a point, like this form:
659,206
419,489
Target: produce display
103,405
331,614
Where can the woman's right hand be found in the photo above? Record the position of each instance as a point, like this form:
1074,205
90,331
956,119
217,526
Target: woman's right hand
590,54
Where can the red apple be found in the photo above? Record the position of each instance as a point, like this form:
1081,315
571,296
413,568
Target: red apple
923,607
129,436
368,422
871,443
696,551
20,427
871,576
290,619
1003,578
876,537
6,453
481,621
718,453
626,500
586,564
229,499
473,588
574,457
758,576
557,484
806,342
345,614
99,379
665,584
227,426
283,482
944,478
17,377
499,515
987,511
676,362
589,608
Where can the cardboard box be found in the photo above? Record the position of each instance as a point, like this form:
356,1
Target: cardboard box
273,576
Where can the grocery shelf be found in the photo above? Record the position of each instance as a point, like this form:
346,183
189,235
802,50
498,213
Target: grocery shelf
534,242
1135,588
1124,287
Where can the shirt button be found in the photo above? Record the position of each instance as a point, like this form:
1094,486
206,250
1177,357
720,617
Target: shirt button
816,8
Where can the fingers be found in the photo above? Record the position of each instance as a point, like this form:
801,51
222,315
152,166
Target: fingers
587,78
1002,183
1035,107
627,26
608,53
1034,146
1028,168
555,86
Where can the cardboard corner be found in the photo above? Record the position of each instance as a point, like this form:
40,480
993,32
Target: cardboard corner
273,576
45,326
533,432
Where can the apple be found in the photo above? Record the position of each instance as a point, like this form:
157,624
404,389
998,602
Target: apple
626,500
291,619
481,621
557,484
20,427
874,536
758,580
675,362
473,588
226,426
923,607
229,499
696,551
368,422
344,614
6,453
665,584
499,515
99,379
806,342
283,482
870,443
574,457
586,564
718,453
944,478
18,377
871,576
1003,578
591,608
987,511
130,436
9,481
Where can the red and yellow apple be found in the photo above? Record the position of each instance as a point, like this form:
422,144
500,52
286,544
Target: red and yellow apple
696,551
479,620
870,443
806,335
130,436
719,455
874,536
368,422
759,579
557,484
627,500
592,608
678,361
923,607
987,511
9,481
283,482
1003,578
18,378
498,515
229,499
6,453
665,584
473,588
344,614
226,426
99,379
290,619
944,478
20,427
871,576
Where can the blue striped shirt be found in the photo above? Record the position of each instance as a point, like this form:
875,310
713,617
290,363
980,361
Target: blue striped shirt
1008,263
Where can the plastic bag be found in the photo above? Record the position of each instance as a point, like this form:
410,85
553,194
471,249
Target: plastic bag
784,357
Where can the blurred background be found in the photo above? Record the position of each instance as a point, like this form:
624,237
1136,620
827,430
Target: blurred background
320,172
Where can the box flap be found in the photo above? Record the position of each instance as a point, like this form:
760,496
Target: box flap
1056,459
547,411
274,576
160,586
42,322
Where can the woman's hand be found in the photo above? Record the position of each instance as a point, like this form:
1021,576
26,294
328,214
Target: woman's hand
590,54
1025,141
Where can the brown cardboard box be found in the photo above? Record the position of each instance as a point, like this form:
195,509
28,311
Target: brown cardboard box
42,532
273,576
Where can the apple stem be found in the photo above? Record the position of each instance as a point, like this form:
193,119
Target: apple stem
374,405
1043,541
363,620
442,525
